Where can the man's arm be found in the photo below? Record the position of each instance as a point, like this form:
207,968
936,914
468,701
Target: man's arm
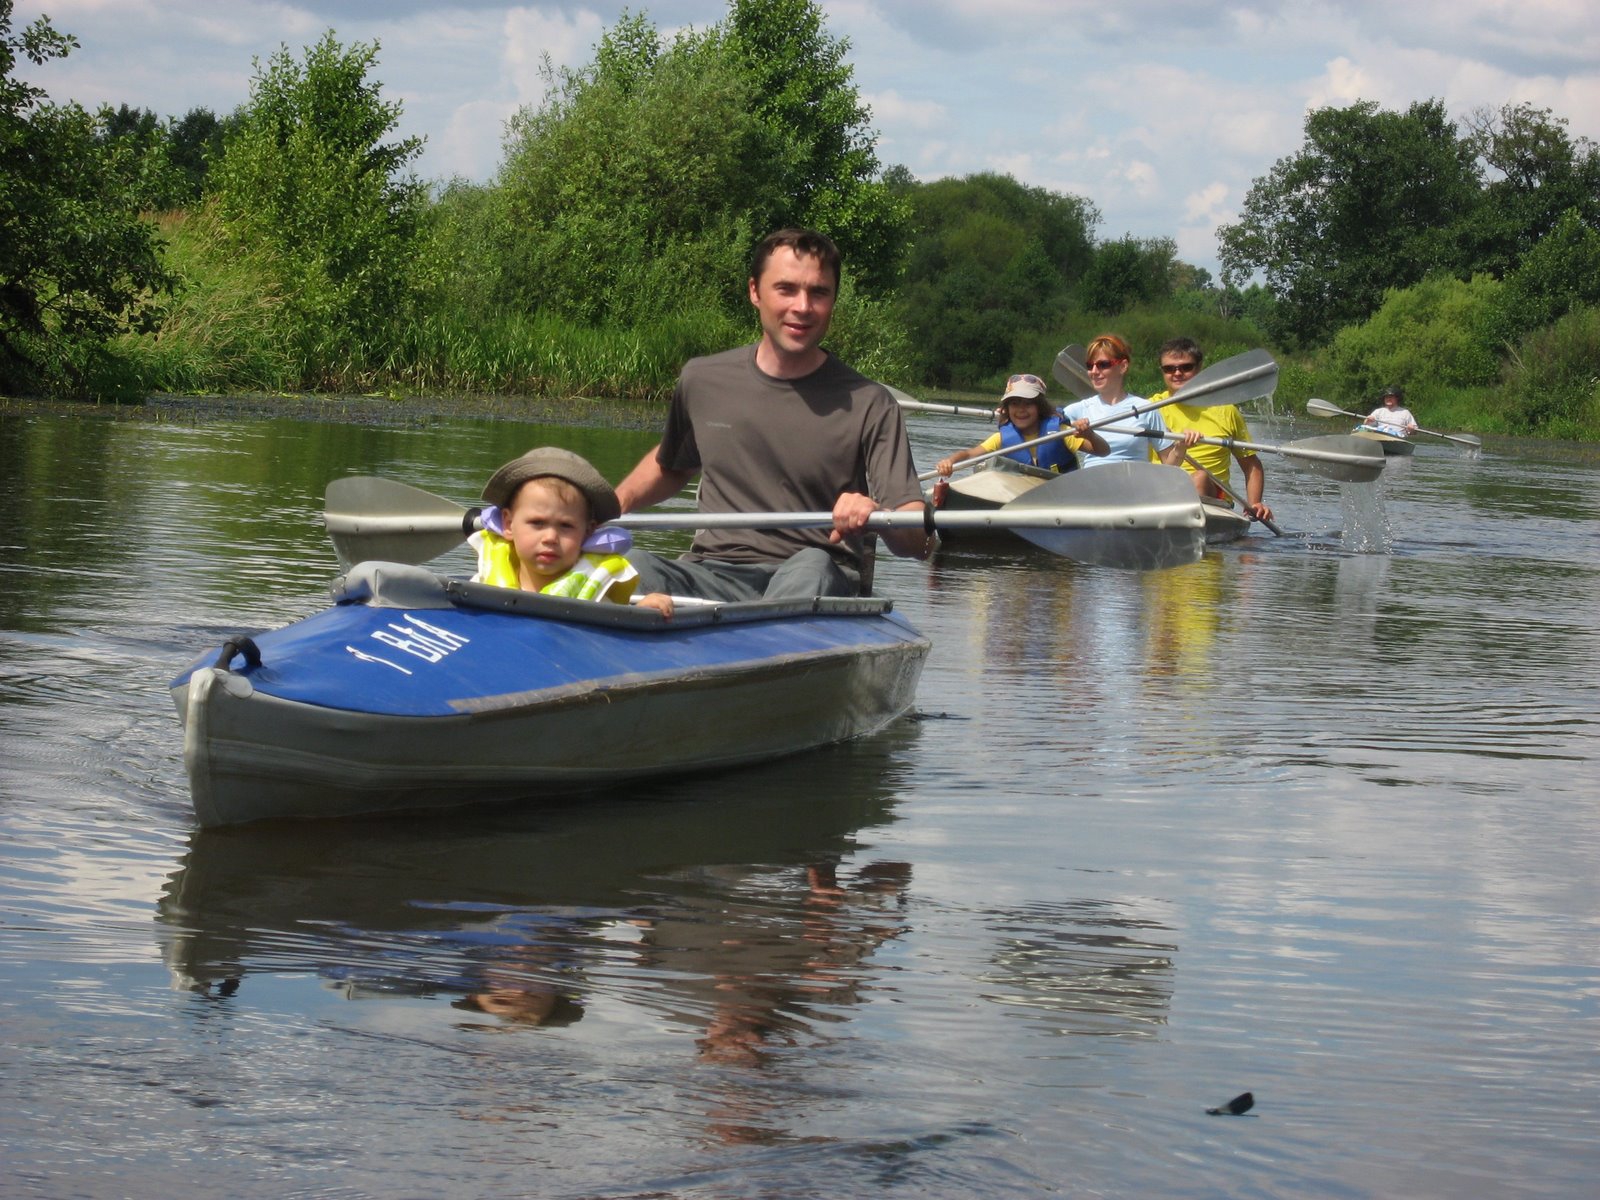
650,483
850,515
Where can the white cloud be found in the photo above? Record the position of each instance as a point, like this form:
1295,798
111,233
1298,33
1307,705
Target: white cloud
531,33
1159,112
1205,204
891,106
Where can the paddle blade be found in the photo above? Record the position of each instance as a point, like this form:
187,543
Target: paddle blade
1338,456
1321,408
1133,516
1071,373
369,518
1234,380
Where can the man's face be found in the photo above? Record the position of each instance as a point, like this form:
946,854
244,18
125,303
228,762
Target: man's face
794,297
1177,369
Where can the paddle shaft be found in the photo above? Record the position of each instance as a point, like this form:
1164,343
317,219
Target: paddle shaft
1140,518
1078,516
1327,456
1232,495
955,410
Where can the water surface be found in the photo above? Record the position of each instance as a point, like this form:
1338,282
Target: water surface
1314,817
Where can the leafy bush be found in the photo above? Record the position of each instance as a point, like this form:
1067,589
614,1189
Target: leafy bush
1561,272
1430,337
77,264
307,183
1551,385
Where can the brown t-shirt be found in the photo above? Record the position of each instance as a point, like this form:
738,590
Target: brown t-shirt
783,445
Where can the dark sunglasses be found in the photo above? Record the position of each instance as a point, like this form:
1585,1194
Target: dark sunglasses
1103,364
1174,368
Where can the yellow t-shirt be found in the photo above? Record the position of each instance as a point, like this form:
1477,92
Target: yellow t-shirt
1223,421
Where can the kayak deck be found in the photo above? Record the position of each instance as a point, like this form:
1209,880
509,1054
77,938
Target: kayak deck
417,691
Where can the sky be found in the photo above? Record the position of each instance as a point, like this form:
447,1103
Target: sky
1161,113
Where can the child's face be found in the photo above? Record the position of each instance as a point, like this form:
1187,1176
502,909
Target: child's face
547,531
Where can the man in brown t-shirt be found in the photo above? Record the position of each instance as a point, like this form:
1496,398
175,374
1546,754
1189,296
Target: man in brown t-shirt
780,426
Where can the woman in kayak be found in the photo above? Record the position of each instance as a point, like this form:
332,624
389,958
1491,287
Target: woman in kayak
544,532
1107,364
1028,415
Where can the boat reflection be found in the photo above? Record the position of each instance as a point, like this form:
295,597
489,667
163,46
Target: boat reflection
737,904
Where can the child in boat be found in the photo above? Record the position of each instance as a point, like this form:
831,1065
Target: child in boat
1029,415
544,532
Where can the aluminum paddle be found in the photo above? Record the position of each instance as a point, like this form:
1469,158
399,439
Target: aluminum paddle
1335,456
1321,408
1148,523
955,410
1072,373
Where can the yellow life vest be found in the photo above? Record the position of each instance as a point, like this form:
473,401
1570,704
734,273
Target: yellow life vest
593,577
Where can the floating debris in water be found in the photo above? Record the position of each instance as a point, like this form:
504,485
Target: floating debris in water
1238,1106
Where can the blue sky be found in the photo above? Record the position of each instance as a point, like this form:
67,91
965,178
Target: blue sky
1160,112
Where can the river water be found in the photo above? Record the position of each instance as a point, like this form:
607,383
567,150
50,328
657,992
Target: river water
1315,818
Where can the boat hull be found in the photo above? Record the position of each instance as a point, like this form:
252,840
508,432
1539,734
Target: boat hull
984,491
1391,445
992,489
450,694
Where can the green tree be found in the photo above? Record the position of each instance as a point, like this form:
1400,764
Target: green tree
1559,274
827,168
631,188
77,265
1128,271
195,141
646,176
1537,174
990,258
308,180
143,151
1432,335
1373,200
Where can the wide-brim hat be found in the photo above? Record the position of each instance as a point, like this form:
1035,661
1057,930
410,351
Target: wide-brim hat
1395,390
563,464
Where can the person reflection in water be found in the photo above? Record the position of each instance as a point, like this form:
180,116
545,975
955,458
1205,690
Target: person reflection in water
774,974
758,1001
520,1001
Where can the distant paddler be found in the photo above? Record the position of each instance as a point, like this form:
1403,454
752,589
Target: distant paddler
1208,465
1391,416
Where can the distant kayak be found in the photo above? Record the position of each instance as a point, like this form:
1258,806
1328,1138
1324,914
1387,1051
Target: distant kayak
1390,443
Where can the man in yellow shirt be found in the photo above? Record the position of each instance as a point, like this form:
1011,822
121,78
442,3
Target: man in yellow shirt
1208,465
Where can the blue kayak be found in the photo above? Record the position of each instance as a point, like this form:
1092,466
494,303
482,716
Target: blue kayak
417,691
